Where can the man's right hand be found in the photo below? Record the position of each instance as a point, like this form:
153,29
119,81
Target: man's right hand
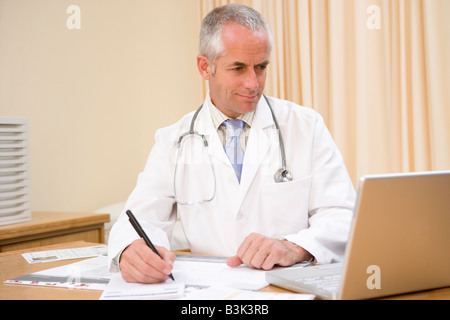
138,263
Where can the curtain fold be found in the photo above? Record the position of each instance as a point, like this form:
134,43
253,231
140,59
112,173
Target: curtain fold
376,70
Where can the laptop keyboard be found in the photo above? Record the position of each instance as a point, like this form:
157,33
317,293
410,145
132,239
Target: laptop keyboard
327,282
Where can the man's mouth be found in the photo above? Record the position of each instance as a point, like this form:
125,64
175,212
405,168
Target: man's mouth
249,97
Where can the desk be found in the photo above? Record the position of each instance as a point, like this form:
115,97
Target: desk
46,228
14,265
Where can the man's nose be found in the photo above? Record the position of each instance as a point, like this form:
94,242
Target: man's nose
251,80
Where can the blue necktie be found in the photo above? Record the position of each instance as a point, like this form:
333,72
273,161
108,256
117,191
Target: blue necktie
233,148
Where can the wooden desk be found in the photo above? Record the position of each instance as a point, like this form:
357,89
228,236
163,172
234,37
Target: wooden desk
46,228
14,265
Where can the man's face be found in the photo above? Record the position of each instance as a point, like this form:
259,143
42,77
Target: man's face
240,74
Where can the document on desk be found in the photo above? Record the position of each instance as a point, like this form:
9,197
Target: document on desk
205,274
189,275
227,293
89,274
65,254
201,280
204,271
119,289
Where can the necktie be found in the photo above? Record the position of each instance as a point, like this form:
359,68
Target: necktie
233,148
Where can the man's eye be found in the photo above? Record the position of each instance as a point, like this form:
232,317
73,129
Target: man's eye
263,67
238,69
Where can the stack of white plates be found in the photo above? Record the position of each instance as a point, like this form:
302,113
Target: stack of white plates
14,171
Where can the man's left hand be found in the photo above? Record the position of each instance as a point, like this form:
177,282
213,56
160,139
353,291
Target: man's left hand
260,252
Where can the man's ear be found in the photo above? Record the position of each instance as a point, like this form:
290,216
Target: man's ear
204,67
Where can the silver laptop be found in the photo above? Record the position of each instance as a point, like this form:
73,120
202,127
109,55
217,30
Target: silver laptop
399,242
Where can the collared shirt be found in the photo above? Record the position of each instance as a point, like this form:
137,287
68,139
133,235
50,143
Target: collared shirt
218,117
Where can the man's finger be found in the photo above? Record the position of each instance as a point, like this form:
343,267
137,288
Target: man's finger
234,261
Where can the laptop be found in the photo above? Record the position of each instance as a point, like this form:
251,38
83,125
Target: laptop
399,242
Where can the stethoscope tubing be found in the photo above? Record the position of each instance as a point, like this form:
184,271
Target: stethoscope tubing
281,175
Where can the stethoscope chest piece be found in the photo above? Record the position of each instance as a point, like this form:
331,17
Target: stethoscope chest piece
283,175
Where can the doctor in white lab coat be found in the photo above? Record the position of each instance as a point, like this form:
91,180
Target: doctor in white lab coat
254,221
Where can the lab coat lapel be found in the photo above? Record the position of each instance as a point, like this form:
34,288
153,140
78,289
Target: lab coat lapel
258,145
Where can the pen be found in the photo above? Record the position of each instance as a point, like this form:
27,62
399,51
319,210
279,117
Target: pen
44,258
142,234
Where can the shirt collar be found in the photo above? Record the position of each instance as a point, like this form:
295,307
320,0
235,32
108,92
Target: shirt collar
218,117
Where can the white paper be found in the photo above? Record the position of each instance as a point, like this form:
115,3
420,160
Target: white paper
205,274
227,293
65,254
119,289
188,275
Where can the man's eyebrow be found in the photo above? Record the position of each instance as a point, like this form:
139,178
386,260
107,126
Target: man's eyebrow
241,64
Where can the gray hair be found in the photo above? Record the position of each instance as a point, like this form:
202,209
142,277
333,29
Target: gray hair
211,45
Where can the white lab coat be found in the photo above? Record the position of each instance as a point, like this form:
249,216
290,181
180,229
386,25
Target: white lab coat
314,210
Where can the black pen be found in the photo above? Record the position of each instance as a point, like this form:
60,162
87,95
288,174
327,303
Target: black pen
142,234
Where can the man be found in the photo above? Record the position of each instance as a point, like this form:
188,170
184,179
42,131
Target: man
250,218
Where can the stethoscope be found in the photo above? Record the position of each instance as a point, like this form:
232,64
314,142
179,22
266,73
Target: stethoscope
281,175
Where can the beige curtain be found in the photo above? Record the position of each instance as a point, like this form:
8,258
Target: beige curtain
378,71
